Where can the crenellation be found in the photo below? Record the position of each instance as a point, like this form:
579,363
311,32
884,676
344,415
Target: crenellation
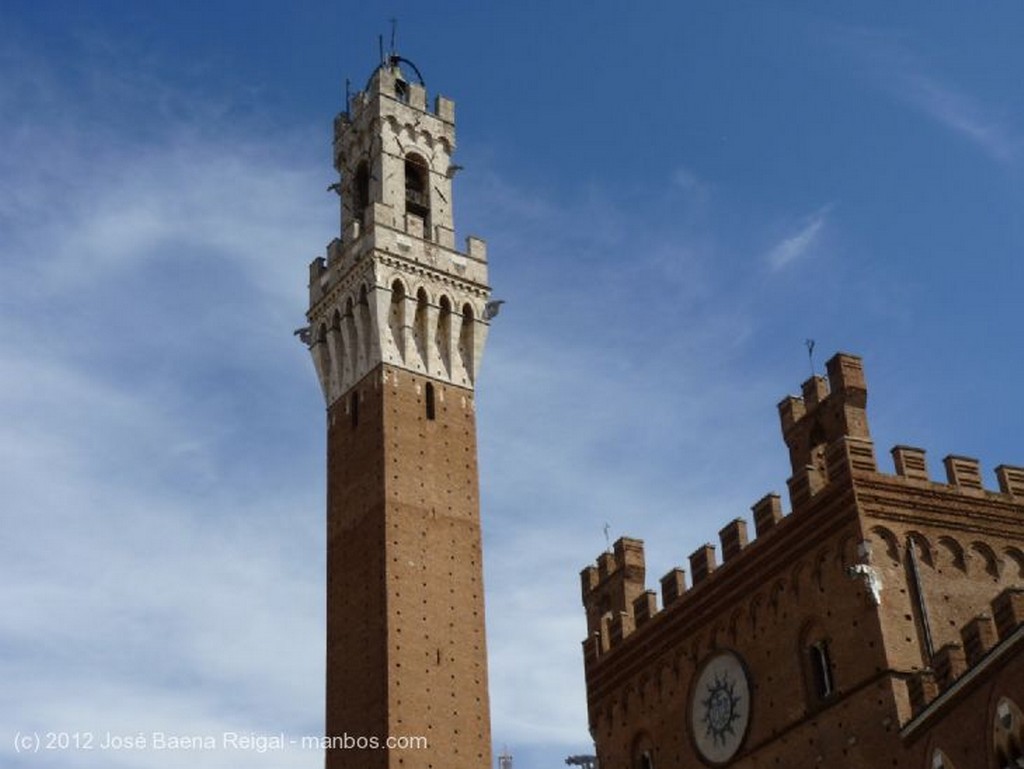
979,635
922,689
702,563
814,391
417,97
910,463
620,628
613,587
964,472
673,586
949,663
1011,480
832,614
803,485
444,108
733,538
791,411
1008,611
645,606
767,513
829,411
606,565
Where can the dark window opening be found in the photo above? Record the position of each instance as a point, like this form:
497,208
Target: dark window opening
353,409
821,669
417,197
646,762
361,193
429,398
401,90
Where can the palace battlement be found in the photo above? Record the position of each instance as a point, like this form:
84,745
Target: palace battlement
986,640
832,456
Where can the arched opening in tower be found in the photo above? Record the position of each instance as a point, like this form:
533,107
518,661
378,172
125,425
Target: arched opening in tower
417,194
361,192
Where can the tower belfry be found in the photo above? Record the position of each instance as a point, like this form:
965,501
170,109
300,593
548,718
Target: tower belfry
396,332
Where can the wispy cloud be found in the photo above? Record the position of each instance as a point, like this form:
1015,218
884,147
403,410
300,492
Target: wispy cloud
909,78
799,245
962,114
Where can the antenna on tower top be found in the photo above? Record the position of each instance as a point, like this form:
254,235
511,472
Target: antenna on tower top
607,539
394,34
810,354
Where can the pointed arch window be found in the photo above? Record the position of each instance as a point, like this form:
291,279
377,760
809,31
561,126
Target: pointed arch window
1008,734
417,192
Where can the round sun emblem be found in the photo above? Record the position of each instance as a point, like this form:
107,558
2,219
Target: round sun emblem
720,707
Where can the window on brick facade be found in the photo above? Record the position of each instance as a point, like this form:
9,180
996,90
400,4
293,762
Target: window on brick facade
643,752
1008,735
428,396
353,408
821,669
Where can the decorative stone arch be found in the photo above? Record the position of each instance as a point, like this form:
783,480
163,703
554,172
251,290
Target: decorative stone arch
397,320
364,322
890,543
322,353
795,576
987,557
1014,563
950,552
351,335
820,563
846,551
421,327
443,334
925,552
734,624
753,610
339,357
467,343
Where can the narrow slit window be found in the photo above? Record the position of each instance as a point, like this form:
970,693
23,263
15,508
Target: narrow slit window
353,409
428,396
821,669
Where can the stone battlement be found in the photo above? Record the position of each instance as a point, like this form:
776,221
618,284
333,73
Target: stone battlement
986,633
826,431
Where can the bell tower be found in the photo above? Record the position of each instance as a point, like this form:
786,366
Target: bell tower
396,330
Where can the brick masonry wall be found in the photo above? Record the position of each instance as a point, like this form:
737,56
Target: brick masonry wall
414,580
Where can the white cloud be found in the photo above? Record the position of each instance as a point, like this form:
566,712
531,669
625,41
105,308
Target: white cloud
962,114
900,71
799,245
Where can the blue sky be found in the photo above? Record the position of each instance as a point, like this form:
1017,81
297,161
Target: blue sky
674,199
